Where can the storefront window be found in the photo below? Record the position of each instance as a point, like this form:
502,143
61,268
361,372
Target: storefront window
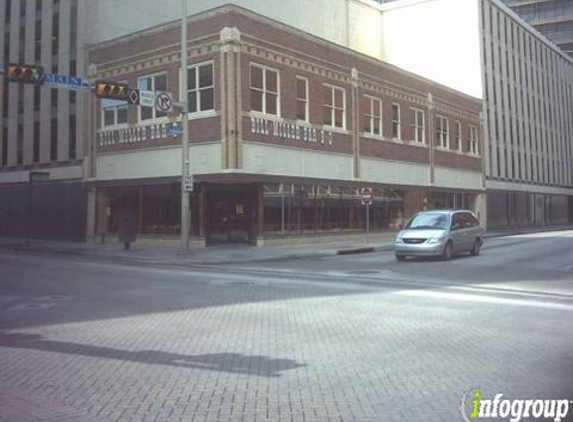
156,209
308,209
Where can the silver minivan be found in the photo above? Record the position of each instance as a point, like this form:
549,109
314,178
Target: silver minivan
439,233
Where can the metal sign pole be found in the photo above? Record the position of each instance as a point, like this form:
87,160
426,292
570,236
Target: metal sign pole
367,223
185,209
29,229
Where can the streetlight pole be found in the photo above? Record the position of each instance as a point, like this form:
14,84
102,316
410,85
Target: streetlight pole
185,211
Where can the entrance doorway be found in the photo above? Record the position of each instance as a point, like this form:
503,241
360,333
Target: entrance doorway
230,215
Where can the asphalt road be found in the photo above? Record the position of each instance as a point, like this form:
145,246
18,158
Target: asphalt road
344,338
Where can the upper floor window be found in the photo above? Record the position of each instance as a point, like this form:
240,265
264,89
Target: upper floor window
113,112
372,116
264,90
419,126
334,109
201,89
302,98
473,140
458,136
396,122
442,135
157,82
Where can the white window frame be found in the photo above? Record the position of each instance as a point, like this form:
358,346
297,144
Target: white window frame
155,118
473,139
397,122
265,69
373,117
333,89
115,104
305,100
442,132
198,89
458,135
419,125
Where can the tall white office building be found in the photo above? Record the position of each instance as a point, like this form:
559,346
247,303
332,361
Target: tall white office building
41,128
526,84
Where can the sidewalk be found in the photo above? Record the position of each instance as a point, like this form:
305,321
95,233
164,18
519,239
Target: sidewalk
234,253
168,255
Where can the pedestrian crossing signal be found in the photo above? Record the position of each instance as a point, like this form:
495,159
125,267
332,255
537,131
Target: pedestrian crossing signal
112,90
25,73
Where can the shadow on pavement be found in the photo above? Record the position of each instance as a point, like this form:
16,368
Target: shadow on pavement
223,362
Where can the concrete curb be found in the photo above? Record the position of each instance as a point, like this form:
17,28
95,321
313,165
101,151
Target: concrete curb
114,256
355,250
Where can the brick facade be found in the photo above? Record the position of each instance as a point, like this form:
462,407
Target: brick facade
293,54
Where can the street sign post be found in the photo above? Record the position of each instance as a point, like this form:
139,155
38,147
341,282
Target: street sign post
367,200
175,130
366,196
133,97
189,183
164,102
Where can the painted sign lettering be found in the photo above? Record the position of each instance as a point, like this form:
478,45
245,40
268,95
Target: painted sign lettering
133,135
290,130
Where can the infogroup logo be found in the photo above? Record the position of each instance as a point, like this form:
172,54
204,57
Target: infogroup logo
474,407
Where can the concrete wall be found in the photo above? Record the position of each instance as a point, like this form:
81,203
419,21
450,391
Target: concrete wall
58,210
325,18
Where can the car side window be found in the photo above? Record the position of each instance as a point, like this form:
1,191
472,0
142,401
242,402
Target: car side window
474,220
457,222
469,220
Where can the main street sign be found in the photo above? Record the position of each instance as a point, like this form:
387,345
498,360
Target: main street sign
72,83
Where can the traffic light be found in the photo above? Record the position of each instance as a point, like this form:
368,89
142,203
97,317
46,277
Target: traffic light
25,73
112,90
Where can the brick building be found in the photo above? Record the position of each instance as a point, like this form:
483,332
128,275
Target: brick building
285,129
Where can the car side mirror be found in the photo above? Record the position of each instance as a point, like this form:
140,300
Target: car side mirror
400,226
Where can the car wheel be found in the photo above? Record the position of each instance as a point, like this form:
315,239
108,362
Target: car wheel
448,252
476,248
400,257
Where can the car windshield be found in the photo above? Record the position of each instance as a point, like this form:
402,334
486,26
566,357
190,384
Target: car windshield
429,221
